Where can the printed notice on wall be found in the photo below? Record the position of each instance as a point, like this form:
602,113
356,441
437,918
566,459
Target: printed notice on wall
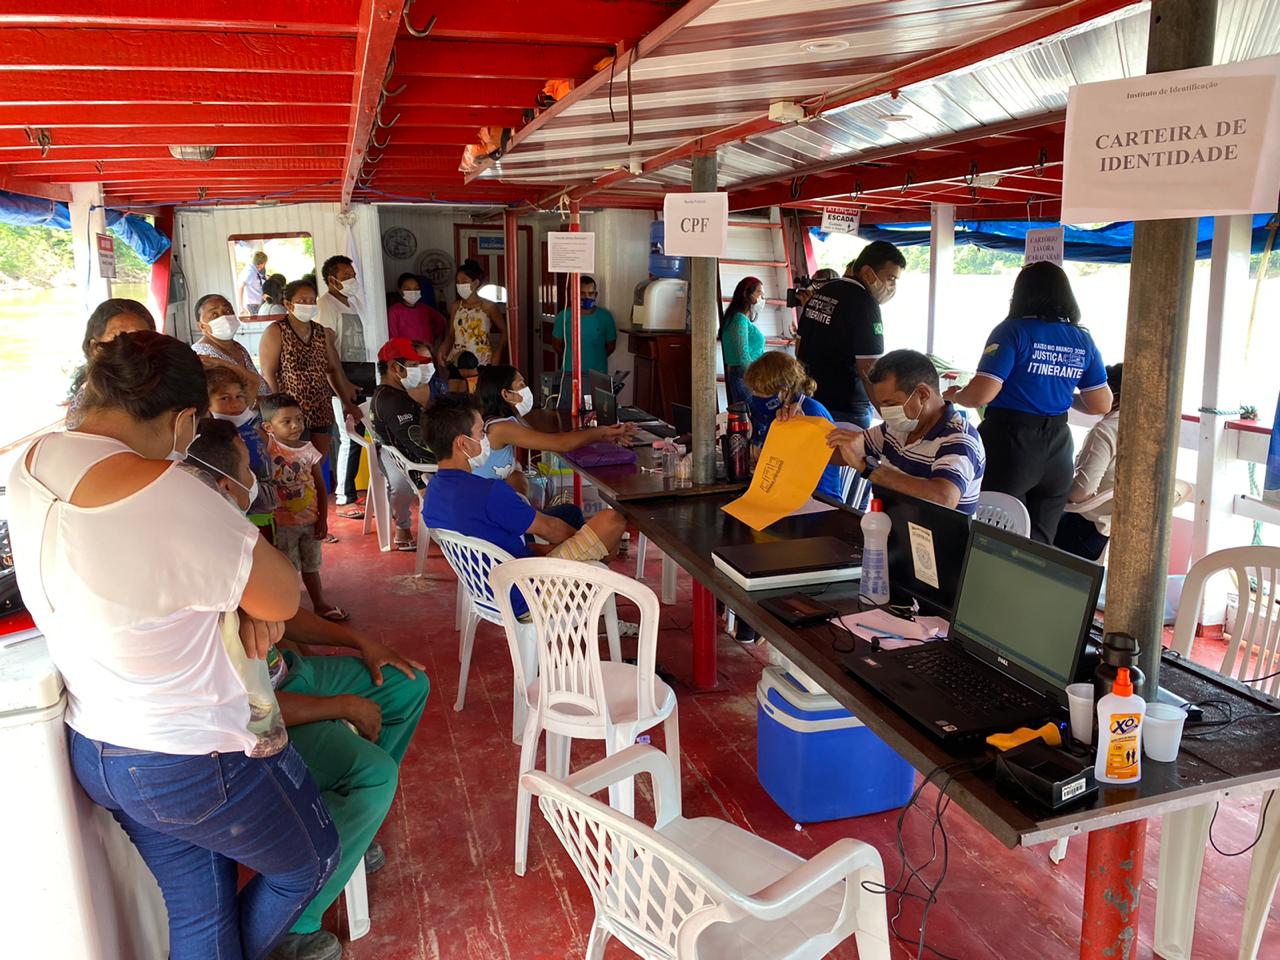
1045,244
1189,143
923,558
840,220
695,224
571,252
106,256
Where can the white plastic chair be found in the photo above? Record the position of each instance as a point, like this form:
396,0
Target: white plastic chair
704,888
405,465
472,560
575,694
668,570
356,896
377,505
1004,511
1253,652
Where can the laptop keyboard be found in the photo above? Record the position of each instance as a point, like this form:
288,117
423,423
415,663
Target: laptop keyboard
963,680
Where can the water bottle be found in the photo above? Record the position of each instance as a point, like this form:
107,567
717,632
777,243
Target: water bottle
875,554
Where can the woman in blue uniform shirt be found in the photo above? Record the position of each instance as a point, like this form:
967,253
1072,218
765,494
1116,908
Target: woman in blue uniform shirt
1037,364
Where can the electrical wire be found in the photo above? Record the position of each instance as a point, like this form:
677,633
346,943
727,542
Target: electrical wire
1262,825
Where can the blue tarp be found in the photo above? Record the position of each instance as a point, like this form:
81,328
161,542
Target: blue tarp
23,211
1112,243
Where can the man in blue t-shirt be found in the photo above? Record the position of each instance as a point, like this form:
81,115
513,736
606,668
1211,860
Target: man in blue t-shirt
925,447
491,510
599,332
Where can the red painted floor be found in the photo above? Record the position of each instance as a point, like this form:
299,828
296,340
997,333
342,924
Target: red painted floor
448,890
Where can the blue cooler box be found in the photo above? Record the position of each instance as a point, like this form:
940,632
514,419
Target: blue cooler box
817,761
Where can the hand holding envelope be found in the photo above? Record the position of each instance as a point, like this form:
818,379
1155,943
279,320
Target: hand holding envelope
795,454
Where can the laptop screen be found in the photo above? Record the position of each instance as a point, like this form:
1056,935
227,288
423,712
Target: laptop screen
606,405
1028,604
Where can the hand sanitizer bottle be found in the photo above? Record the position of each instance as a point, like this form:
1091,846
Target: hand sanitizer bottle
875,554
1120,716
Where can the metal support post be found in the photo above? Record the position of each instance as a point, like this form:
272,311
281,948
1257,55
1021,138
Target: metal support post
1181,36
942,248
511,244
1112,892
706,320
574,295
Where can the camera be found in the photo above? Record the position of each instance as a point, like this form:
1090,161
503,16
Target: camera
802,283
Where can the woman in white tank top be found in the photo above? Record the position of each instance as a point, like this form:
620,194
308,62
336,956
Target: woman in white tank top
140,576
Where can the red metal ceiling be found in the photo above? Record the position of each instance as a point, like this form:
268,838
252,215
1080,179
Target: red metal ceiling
288,92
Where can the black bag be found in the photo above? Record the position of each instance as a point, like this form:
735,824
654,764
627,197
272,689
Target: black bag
10,599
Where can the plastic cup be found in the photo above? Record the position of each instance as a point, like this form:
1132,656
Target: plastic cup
1080,702
1162,731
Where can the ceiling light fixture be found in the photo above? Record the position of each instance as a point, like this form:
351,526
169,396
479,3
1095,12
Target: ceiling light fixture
895,117
825,45
187,152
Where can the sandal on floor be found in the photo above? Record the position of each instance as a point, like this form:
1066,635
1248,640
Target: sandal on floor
406,546
328,538
354,513
335,615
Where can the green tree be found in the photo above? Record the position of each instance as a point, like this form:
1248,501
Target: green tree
42,255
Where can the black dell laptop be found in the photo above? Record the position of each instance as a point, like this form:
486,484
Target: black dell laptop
927,545
1021,620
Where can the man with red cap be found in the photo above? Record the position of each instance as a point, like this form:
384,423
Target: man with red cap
406,372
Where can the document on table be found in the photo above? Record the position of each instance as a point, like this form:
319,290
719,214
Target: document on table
894,631
795,454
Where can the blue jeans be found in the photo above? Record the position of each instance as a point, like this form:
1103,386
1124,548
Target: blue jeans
193,818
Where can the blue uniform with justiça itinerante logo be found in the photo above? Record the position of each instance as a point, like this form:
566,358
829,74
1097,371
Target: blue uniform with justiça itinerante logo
1041,364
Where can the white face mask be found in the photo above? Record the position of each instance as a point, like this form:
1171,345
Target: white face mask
251,490
305,311
412,376
237,420
896,419
351,288
881,291
224,327
526,400
411,296
175,454
464,290
481,458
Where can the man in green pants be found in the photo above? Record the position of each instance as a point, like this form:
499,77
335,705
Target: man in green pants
350,722
322,698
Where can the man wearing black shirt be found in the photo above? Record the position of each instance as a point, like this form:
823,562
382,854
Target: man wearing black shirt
397,422
842,334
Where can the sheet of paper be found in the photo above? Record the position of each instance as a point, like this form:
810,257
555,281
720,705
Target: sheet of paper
812,506
881,623
795,454
923,558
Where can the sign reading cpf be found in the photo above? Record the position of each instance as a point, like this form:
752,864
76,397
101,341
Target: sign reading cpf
697,224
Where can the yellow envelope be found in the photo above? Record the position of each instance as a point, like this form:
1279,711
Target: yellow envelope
795,454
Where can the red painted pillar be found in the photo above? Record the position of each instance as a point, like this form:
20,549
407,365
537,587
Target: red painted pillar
160,270
511,243
575,325
704,637
1112,891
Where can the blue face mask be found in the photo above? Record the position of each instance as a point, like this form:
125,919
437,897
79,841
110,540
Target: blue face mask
588,303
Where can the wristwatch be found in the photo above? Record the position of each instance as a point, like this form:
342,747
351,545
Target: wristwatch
868,468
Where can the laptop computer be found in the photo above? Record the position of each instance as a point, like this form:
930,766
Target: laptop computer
927,545
789,563
1022,616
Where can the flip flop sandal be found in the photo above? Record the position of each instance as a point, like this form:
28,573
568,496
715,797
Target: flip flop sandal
353,514
336,615
406,546
329,538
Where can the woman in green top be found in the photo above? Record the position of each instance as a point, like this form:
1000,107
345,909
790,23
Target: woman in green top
740,338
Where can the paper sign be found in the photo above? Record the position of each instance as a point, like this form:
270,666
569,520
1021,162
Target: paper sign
696,224
571,252
923,558
795,454
491,243
106,256
1044,244
839,220
1190,143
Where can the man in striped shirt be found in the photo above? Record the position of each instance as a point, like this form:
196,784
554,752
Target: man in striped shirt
925,447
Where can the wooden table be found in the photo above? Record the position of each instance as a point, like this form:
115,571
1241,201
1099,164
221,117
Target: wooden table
1243,756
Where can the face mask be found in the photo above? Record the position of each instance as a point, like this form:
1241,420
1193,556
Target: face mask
588,303
896,419
754,313
526,400
481,458
237,420
412,376
224,327
251,490
880,291
174,454
411,296
464,290
305,311
351,288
